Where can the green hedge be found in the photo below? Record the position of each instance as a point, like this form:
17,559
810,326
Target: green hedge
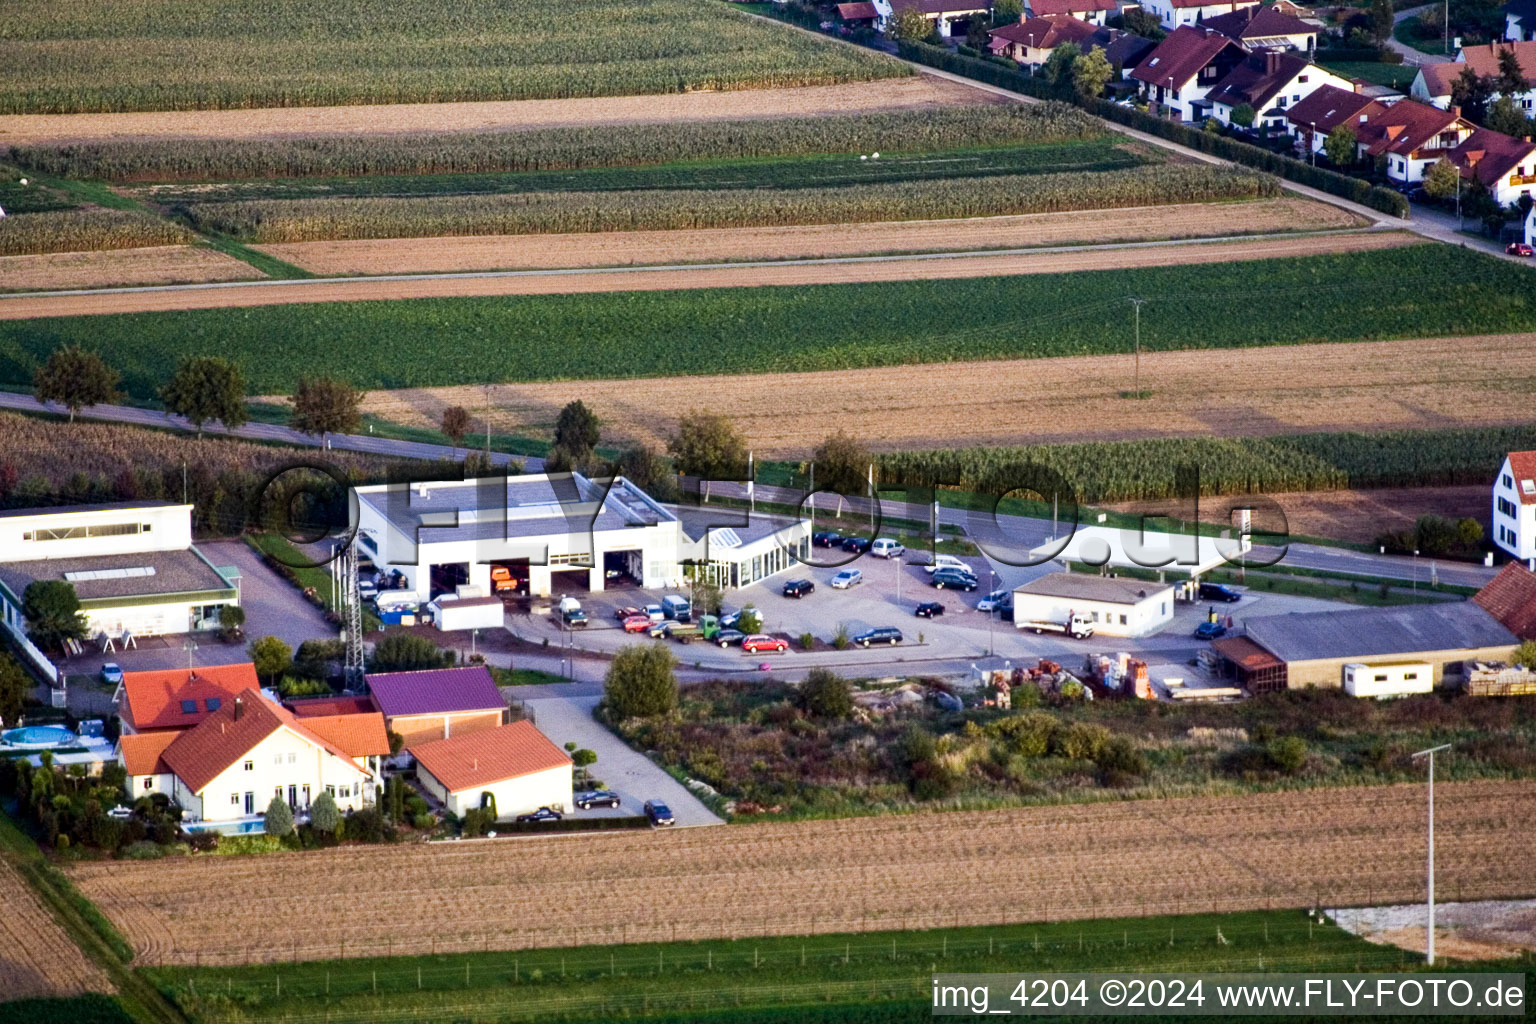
502,828
1342,185
1365,53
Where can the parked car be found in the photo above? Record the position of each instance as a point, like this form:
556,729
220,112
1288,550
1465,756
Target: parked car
659,813
928,609
759,642
798,588
885,547
111,672
638,624
367,590
994,601
627,611
827,539
954,579
879,635
663,629
856,545
597,798
676,606
730,619
654,611
542,814
573,618
1519,249
946,562
726,637
1210,631
1219,592
847,578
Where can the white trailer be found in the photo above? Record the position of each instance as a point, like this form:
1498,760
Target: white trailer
1396,680
451,613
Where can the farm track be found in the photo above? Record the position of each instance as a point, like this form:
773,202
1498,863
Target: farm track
160,264
628,248
1130,858
1423,383
919,92
838,271
40,960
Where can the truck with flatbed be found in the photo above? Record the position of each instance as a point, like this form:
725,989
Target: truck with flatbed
1077,625
706,628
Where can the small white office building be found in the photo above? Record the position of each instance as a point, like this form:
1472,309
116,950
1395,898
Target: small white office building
1117,606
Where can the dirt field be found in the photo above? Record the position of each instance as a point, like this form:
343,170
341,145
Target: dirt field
1481,930
39,960
917,92
921,870
1420,383
544,283
1363,515
161,264
625,248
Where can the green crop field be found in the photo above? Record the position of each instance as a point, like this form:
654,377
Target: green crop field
99,55
1110,471
840,976
303,220
563,148
1413,291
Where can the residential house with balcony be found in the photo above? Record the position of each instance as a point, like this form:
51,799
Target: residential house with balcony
1503,164
1270,83
1180,72
1264,28
1310,121
1093,11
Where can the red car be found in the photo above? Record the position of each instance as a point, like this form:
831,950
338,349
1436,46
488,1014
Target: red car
760,642
1519,249
637,624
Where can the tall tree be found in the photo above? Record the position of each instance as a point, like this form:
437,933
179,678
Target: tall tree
1443,179
1340,146
1471,92
577,431
324,815
910,26
647,471
1381,20
1506,117
75,379
709,446
1511,77
640,682
325,405
14,687
1091,73
207,388
1057,68
270,657
52,611
1006,12
842,465
455,424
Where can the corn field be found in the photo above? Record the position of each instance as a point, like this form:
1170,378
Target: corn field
1145,470
300,220
97,55
86,230
563,148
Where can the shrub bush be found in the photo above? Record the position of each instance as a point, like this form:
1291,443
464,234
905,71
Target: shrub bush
142,850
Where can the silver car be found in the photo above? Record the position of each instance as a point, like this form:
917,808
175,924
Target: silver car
993,601
846,579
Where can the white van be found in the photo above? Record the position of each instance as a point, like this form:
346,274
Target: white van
946,562
569,604
885,547
397,601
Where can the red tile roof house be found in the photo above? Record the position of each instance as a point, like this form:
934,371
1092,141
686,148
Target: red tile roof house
1510,597
1031,42
1270,82
435,704
1434,81
1514,505
1094,11
178,698
249,749
1178,13
1264,28
513,767
1505,165
1410,137
1183,68
1310,121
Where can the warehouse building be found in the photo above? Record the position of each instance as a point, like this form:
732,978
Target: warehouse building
1277,652
562,531
1117,606
132,564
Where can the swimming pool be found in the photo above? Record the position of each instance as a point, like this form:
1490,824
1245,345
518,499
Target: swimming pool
226,828
40,737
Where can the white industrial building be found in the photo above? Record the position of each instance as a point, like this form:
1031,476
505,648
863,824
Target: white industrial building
1117,606
441,536
513,768
132,564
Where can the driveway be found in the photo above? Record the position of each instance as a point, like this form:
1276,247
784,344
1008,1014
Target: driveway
632,775
1412,57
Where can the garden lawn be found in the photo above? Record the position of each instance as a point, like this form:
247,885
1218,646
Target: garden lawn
1394,76
1411,291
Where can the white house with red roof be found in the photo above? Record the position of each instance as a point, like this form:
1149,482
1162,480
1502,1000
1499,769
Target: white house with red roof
1174,13
1032,41
1270,83
1503,164
514,768
1093,11
1514,505
1180,71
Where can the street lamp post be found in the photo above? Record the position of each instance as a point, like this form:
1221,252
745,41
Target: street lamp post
991,611
1429,939
1136,379
1312,143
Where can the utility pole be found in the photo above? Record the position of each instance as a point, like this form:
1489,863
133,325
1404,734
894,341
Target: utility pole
1136,388
1429,940
487,424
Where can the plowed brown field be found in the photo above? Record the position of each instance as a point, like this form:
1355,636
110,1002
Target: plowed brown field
1378,385
1120,858
39,960
626,248
917,92
745,276
161,264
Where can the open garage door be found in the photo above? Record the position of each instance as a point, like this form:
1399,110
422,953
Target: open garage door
623,568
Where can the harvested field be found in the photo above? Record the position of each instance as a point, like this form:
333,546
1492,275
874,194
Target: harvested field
624,248
919,92
1248,852
1422,383
709,277
161,264
40,960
